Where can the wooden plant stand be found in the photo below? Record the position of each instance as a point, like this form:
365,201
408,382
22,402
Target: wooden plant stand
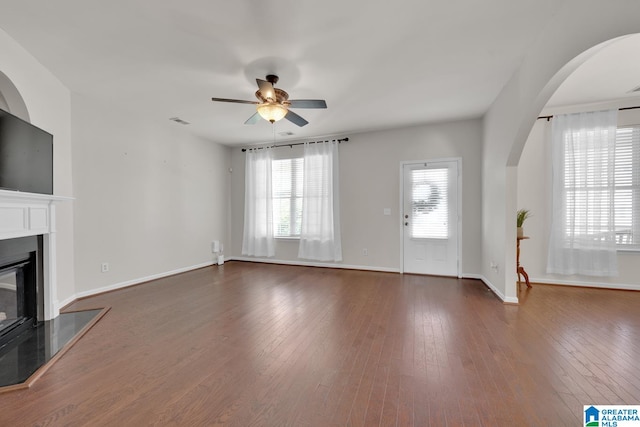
520,269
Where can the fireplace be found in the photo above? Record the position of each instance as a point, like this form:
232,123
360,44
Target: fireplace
28,272
21,285
28,255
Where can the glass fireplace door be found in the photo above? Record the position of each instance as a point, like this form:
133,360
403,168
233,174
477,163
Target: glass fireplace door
9,306
17,297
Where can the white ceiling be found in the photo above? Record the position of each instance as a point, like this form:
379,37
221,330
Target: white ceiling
378,64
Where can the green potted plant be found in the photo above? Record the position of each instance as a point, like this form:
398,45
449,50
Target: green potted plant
521,217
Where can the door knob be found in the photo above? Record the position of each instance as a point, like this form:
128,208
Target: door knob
406,216
406,223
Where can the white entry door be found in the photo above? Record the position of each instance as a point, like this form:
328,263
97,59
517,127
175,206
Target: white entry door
430,218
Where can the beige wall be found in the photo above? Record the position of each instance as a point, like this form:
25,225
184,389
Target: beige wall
534,193
150,197
369,183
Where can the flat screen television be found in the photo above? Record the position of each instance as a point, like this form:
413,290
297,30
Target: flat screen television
26,156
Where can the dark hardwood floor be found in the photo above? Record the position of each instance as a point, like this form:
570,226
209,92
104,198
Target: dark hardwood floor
264,345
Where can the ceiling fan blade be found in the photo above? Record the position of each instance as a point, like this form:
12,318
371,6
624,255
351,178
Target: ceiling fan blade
294,118
308,103
253,119
266,89
237,101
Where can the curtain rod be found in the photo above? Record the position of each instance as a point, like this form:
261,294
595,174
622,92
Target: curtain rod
619,109
296,143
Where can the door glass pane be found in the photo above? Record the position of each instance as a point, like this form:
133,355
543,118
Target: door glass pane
430,203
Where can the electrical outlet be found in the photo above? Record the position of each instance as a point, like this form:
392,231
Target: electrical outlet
365,252
105,267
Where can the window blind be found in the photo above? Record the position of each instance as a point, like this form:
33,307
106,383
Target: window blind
586,190
287,196
627,186
430,203
588,185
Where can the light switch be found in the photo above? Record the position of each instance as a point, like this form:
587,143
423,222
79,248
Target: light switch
387,211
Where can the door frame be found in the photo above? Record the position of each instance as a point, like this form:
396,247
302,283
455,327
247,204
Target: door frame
458,161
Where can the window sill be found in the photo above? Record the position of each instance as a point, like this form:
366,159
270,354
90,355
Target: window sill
288,238
628,250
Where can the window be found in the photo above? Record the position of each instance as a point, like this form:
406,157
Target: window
287,184
430,204
275,207
586,192
627,187
588,185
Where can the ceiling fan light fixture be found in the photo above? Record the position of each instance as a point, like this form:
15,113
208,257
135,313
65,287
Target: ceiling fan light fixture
271,111
273,104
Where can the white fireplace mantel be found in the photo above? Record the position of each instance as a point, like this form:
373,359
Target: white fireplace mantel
30,214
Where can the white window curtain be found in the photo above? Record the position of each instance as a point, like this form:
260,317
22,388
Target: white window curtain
258,237
320,231
583,237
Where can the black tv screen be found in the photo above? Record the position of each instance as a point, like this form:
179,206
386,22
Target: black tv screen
26,156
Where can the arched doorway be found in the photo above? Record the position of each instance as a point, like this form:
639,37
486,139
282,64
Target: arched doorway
565,44
606,80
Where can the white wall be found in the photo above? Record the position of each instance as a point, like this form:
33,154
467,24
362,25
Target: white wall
566,42
578,25
48,104
369,182
150,197
534,193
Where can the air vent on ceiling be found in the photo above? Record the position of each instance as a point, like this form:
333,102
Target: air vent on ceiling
179,120
286,133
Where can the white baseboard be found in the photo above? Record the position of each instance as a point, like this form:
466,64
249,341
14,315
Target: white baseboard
315,264
499,294
130,283
64,303
137,281
620,286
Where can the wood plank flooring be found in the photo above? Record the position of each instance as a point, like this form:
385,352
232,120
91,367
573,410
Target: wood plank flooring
249,344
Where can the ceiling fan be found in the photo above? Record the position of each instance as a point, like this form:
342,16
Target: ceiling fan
273,104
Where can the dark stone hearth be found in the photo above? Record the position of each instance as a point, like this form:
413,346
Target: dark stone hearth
33,348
